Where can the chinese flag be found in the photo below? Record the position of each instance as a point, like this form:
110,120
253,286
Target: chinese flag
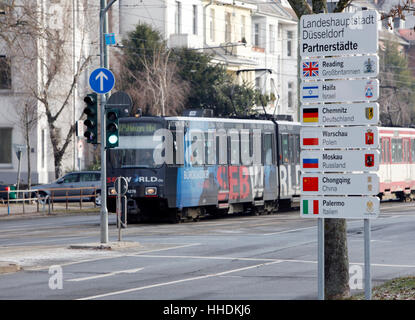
310,184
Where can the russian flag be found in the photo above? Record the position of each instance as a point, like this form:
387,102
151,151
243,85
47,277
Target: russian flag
310,163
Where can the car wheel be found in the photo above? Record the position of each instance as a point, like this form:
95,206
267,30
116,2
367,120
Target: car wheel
98,198
43,198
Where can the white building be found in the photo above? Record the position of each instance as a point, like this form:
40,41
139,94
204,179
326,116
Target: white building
274,38
256,39
38,71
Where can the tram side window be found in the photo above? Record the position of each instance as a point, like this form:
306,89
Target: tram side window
294,148
284,148
397,154
268,148
413,150
234,147
297,148
406,150
387,151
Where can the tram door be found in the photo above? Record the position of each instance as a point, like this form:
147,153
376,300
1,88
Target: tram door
386,160
407,158
412,162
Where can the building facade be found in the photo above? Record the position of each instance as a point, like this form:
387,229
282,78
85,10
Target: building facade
44,50
256,39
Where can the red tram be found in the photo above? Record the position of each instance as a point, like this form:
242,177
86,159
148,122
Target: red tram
397,165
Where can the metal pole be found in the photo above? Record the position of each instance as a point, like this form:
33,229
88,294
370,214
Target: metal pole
119,209
19,156
320,228
368,277
104,212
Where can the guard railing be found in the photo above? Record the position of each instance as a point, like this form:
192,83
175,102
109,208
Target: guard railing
37,201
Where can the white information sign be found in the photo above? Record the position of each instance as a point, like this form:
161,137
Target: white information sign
335,184
340,67
340,114
339,137
337,34
339,160
365,207
339,91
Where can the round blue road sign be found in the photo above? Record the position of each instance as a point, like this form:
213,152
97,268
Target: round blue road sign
101,80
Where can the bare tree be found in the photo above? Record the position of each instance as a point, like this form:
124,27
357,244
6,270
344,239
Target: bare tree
27,120
155,88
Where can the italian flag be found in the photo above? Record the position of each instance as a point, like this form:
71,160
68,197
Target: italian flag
310,206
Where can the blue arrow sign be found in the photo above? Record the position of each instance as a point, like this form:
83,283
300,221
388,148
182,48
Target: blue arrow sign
101,80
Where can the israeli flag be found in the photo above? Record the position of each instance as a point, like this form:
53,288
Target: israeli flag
310,92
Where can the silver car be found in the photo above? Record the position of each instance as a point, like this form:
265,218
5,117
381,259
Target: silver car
71,186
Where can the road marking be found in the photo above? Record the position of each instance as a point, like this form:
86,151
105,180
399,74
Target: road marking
203,257
270,260
106,275
177,281
114,256
288,231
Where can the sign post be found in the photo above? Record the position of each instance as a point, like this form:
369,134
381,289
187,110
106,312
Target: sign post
121,187
339,65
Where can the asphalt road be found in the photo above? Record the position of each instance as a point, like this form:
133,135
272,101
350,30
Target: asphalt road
233,258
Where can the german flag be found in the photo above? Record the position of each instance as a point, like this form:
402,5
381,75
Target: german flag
310,114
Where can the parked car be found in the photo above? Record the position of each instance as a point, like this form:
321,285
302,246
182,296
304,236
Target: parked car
87,183
3,192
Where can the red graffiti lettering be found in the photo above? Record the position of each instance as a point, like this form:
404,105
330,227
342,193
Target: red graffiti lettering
243,181
233,183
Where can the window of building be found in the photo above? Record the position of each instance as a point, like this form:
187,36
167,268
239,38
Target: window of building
289,43
256,34
243,28
271,38
178,18
228,27
5,73
212,24
290,95
272,86
258,83
5,145
195,19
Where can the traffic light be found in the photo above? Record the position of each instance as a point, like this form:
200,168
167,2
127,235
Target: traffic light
91,110
112,138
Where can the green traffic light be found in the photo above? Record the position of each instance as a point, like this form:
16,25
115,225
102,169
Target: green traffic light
113,139
112,128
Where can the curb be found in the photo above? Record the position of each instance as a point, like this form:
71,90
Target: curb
8,267
107,246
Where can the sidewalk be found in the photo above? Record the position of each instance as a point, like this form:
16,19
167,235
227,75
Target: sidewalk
33,209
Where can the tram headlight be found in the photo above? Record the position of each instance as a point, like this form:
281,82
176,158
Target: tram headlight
112,192
150,191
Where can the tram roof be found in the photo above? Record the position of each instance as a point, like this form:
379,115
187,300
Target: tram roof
229,120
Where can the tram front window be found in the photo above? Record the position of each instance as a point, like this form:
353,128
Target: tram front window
136,146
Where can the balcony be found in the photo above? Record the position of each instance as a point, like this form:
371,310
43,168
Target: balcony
185,40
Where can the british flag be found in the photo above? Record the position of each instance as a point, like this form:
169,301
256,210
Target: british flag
310,69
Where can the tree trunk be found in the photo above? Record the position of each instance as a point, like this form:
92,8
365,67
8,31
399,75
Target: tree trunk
336,260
